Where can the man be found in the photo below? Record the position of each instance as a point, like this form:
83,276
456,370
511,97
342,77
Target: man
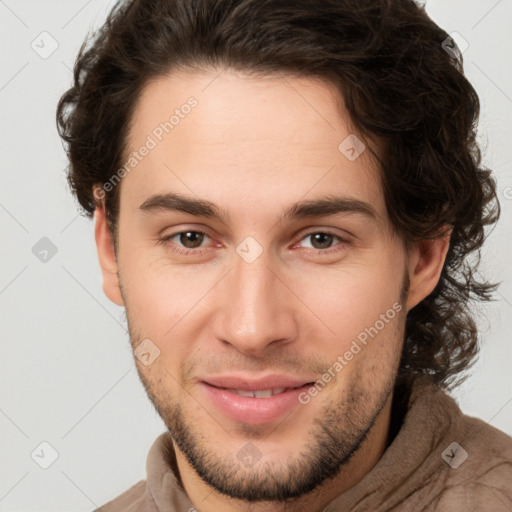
285,197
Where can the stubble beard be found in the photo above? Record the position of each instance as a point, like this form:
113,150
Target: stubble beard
336,435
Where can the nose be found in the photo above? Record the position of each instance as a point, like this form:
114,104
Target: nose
255,307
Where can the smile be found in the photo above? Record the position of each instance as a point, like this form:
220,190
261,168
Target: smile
255,407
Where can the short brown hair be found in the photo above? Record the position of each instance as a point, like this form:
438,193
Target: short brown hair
401,87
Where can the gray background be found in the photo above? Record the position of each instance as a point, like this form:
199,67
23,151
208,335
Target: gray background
67,375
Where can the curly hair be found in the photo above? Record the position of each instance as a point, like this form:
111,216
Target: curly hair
402,80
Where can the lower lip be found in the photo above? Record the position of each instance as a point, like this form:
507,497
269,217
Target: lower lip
256,411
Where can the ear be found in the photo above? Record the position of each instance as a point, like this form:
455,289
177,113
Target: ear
106,253
426,260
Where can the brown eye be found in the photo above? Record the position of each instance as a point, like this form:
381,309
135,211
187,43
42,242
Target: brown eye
324,243
185,242
321,240
191,239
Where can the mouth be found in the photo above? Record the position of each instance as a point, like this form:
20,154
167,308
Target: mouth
256,405
261,393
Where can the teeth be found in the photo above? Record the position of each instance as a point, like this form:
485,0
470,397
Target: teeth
243,392
264,393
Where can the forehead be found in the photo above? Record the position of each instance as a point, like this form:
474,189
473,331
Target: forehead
222,134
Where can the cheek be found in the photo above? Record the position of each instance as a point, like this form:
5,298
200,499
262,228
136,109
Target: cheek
160,307
350,300
158,296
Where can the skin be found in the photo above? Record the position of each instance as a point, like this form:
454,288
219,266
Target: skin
255,146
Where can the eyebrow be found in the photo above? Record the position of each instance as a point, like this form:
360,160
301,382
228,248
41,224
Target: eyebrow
329,205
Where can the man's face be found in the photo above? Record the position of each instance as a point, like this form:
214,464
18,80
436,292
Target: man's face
260,300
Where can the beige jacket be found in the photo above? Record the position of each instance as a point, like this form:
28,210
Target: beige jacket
440,460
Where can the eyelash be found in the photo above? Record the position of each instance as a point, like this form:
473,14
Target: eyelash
199,251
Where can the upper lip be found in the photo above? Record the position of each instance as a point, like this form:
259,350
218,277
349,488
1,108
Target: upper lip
256,383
